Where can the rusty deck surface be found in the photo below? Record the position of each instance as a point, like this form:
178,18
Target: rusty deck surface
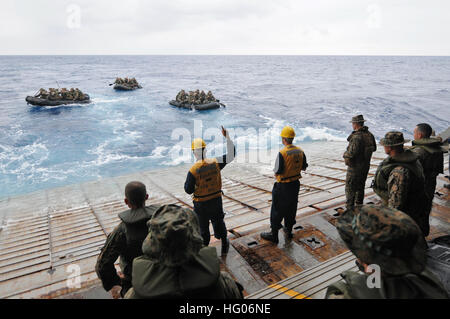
46,232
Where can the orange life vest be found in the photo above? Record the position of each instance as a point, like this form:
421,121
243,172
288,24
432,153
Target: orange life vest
208,181
293,164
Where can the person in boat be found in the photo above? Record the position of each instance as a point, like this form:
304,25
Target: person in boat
391,254
431,156
181,96
63,93
291,161
118,81
197,97
204,182
191,98
202,97
125,241
43,94
69,95
80,95
53,94
176,265
210,97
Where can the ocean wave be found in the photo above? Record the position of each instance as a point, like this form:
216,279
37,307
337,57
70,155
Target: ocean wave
22,160
247,140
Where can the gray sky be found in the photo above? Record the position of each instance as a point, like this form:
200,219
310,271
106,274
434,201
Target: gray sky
384,27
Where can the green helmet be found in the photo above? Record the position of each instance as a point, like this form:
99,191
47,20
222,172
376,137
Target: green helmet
385,237
174,236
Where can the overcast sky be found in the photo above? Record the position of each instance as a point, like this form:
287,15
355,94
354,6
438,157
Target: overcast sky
384,27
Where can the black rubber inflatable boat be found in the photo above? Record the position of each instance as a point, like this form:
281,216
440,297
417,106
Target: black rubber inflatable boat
198,107
123,87
37,101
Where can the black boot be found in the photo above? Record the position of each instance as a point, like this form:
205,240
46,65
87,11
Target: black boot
288,232
271,236
225,246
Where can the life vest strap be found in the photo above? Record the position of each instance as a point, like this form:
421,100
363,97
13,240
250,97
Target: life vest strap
204,196
295,176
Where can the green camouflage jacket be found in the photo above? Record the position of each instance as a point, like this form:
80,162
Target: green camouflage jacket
360,148
410,286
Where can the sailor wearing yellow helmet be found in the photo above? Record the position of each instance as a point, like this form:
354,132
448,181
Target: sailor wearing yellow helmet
290,162
204,181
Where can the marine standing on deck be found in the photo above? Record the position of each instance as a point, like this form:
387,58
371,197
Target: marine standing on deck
204,181
290,162
125,241
431,156
391,240
399,180
357,158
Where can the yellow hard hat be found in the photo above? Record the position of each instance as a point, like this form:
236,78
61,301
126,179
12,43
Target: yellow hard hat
288,132
198,143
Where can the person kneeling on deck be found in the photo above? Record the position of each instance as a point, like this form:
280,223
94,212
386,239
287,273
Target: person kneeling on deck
176,265
204,181
125,241
392,244
290,162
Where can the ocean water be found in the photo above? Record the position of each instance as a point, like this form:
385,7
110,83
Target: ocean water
124,132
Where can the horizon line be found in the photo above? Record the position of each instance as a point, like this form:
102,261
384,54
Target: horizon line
200,54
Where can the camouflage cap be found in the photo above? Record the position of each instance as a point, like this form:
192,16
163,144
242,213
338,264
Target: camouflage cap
385,237
357,119
393,138
174,236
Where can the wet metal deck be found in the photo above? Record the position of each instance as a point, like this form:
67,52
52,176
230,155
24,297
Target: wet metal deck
44,233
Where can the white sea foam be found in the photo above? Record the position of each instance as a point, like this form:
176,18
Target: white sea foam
159,152
108,100
260,145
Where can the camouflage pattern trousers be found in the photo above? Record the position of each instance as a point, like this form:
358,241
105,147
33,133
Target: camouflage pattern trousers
355,183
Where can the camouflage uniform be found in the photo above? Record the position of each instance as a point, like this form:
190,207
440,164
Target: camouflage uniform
64,93
79,95
431,156
210,97
191,98
202,97
357,157
399,181
392,240
125,242
197,97
53,94
42,94
181,96
175,265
